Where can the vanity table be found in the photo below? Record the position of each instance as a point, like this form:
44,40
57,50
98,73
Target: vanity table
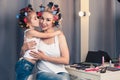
77,74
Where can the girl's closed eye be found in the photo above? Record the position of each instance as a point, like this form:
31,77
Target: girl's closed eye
41,18
36,18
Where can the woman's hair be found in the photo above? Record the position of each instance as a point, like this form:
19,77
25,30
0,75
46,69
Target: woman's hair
24,16
52,8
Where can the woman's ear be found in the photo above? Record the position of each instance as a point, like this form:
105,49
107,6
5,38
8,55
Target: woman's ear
53,22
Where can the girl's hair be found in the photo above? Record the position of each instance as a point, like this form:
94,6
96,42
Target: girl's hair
24,16
54,9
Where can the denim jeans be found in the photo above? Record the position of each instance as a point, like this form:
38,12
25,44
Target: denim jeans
23,69
52,76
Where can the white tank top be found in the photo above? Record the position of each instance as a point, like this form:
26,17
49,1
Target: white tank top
27,55
52,50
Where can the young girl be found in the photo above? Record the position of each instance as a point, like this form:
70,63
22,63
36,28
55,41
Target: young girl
28,19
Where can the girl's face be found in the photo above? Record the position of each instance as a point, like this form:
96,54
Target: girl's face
46,21
33,20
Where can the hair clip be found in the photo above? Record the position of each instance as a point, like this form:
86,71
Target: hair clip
42,8
25,13
56,23
25,20
50,4
56,5
17,16
59,15
54,12
39,14
56,17
29,5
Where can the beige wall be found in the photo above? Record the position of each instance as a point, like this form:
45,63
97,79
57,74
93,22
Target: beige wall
84,29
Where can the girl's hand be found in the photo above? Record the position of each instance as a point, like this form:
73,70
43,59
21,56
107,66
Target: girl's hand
31,44
58,32
28,45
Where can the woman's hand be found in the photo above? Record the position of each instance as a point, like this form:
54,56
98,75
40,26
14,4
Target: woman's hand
38,55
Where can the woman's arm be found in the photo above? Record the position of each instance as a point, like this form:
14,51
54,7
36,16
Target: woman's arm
63,59
35,33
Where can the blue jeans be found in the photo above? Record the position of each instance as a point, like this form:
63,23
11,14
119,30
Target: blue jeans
52,76
23,69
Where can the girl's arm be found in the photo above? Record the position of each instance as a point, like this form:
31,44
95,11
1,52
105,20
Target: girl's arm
34,33
27,46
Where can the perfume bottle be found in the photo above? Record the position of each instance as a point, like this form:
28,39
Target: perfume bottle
110,63
103,60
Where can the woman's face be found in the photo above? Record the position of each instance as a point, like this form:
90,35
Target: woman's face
46,21
34,21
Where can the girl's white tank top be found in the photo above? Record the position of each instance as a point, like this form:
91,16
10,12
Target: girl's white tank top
27,55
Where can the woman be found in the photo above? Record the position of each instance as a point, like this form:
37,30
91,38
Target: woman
53,53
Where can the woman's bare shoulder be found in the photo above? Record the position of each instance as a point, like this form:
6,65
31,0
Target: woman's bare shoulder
61,37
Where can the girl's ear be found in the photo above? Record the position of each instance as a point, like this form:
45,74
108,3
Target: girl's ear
27,25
